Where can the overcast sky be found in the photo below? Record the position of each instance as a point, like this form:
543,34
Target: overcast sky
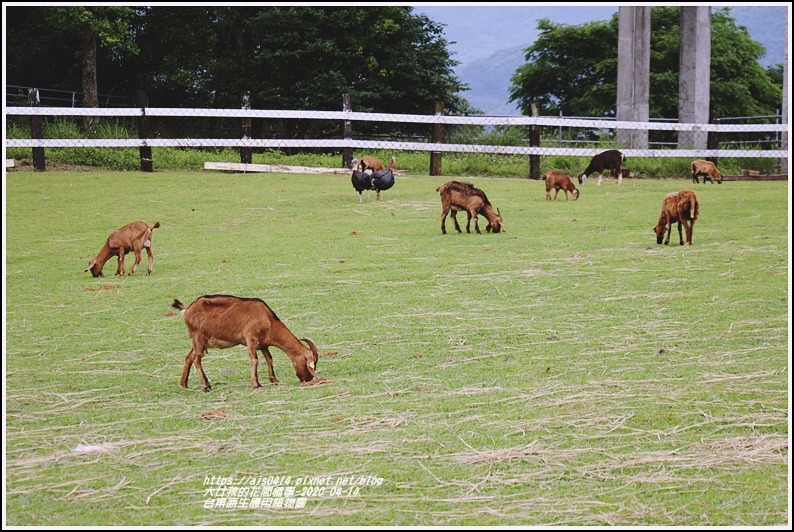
479,30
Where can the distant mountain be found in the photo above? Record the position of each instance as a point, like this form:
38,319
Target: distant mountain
487,70
489,81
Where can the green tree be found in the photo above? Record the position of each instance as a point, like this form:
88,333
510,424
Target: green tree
389,59
573,69
100,25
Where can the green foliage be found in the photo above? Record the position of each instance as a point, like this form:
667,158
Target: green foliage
565,372
573,69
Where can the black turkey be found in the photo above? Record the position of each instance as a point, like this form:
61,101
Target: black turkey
383,179
361,181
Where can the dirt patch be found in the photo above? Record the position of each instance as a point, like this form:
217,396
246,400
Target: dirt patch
103,287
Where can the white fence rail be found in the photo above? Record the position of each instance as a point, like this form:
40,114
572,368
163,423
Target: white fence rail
344,116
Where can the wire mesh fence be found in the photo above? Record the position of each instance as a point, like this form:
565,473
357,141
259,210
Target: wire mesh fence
35,125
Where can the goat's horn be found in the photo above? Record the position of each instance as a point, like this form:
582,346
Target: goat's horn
497,212
311,343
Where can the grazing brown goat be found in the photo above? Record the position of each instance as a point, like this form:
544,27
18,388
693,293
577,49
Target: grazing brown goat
222,321
559,181
371,163
457,196
707,169
681,207
610,160
134,236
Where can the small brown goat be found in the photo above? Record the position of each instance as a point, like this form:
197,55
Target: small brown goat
559,181
707,169
371,163
681,207
610,160
458,196
134,236
222,321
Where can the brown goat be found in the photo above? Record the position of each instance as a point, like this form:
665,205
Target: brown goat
457,196
610,160
681,207
707,169
134,236
372,163
222,321
559,181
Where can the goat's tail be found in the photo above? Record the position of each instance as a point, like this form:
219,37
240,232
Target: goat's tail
178,305
156,225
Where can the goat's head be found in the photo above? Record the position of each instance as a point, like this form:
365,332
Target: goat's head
659,230
495,224
582,179
306,366
575,193
95,268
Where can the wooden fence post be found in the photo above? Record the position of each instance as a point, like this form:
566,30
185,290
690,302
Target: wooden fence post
713,138
246,152
145,152
437,136
347,132
534,142
36,131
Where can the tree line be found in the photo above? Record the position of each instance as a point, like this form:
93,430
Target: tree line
390,59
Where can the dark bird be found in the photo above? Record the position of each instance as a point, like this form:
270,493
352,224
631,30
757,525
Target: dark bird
383,179
361,181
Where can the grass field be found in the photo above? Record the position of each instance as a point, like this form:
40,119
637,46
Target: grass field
568,371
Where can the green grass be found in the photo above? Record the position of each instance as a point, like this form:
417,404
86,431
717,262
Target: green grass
568,371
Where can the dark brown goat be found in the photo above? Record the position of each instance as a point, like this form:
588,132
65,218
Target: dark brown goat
458,196
559,181
707,169
222,321
134,236
682,207
610,160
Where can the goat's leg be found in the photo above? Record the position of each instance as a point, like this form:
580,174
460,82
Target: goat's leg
252,347
620,176
151,260
669,229
454,215
557,191
198,354
186,369
137,260
680,235
600,177
476,225
443,222
269,359
120,265
687,231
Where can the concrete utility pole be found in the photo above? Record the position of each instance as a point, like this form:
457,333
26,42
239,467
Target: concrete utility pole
634,72
784,106
694,74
